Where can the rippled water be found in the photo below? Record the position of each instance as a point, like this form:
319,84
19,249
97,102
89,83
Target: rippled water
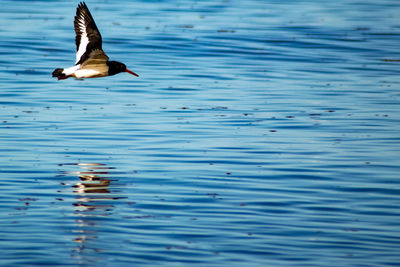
259,133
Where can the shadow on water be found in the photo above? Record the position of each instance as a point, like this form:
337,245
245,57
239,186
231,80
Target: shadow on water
95,200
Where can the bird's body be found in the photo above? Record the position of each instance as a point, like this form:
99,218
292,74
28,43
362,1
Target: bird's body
91,61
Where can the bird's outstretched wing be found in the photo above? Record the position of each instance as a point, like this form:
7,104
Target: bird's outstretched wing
96,60
88,38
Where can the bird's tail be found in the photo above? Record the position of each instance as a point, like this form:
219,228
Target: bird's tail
59,74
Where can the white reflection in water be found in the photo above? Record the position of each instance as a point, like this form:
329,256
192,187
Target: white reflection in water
93,200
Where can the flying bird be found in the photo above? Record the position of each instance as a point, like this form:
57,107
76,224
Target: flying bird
91,61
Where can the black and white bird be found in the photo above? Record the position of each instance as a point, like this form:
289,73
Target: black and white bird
91,61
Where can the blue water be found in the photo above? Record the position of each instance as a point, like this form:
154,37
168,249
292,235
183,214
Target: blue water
259,133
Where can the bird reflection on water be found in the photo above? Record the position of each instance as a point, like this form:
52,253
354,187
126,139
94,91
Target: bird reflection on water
93,201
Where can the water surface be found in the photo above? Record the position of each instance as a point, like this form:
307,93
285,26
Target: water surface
259,133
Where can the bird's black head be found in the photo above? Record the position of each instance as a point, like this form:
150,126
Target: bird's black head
115,67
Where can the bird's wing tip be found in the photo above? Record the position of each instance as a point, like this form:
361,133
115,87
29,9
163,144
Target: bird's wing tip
82,5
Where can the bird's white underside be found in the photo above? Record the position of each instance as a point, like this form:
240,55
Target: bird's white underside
87,73
84,39
71,70
75,71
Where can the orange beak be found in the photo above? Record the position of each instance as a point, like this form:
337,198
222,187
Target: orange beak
131,72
